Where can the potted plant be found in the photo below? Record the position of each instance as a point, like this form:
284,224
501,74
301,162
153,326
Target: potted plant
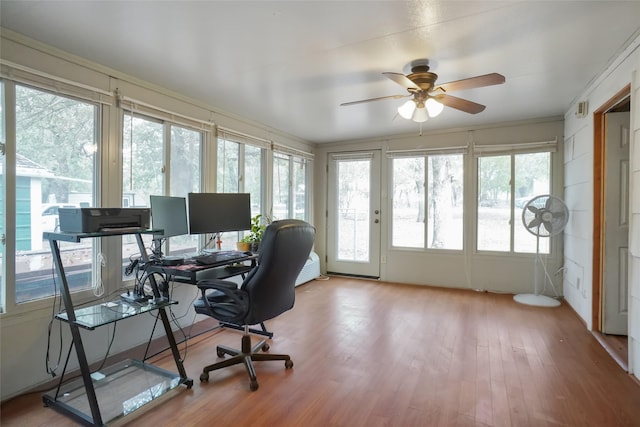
252,240
244,245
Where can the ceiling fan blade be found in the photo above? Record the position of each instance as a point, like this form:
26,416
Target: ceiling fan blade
460,104
375,99
472,82
402,80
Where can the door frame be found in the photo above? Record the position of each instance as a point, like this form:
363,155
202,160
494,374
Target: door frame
599,180
371,269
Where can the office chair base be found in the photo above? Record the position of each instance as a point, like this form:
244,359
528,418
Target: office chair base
247,355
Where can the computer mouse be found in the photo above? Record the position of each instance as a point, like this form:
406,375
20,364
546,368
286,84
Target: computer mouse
249,253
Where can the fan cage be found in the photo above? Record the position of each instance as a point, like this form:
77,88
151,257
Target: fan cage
545,216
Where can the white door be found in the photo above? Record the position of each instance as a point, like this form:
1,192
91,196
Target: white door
353,214
616,229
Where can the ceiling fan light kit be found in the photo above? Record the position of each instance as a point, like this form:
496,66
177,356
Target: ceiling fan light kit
434,107
419,111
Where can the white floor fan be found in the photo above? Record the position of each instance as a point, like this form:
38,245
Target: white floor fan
542,216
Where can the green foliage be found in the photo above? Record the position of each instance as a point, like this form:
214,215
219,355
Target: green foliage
256,231
53,132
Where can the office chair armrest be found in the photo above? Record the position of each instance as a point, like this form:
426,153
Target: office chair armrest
219,285
223,300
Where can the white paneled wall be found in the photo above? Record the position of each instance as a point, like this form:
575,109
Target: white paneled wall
578,194
634,229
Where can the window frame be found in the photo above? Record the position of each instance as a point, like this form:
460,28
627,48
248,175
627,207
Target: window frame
100,102
425,154
292,160
243,141
166,126
513,150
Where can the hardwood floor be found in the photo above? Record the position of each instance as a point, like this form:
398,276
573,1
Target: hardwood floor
369,353
617,346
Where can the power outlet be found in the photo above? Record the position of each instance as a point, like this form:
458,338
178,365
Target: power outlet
383,259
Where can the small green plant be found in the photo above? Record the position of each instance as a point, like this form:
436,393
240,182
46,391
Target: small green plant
256,231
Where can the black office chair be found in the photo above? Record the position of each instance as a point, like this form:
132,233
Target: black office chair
266,292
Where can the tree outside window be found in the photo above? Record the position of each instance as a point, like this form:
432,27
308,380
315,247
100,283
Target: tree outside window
239,170
440,207
289,186
147,143
56,142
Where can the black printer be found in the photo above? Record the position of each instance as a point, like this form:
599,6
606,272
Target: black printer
92,220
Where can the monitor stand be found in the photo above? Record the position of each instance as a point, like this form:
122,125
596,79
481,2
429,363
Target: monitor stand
168,261
171,260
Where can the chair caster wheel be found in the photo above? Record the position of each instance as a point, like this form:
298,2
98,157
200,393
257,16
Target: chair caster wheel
220,353
204,376
265,347
288,364
254,385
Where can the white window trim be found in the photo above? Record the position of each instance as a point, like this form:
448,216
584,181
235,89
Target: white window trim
54,84
520,148
424,152
242,138
134,106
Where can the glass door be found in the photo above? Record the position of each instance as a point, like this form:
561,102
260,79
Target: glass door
353,220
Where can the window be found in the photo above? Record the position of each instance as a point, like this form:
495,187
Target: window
240,170
158,158
505,184
55,150
289,186
440,208
229,166
281,186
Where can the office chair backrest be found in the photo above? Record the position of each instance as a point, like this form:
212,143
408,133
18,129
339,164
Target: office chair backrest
284,250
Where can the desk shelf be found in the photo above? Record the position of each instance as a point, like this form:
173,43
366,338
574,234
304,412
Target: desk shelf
95,316
101,397
191,273
119,390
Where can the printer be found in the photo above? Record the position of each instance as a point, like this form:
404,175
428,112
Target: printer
92,220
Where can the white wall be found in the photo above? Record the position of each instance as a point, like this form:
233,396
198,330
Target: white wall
579,155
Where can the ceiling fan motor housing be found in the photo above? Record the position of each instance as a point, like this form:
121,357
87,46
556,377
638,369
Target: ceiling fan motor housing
422,78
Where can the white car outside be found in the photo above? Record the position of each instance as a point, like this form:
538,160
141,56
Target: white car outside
50,220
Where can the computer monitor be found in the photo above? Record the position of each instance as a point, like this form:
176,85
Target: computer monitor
169,214
219,212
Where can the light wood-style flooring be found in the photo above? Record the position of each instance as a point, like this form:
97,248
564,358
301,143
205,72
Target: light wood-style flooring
369,353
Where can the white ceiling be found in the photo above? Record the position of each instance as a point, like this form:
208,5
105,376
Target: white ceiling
289,64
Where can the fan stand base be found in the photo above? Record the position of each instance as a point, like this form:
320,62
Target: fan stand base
536,300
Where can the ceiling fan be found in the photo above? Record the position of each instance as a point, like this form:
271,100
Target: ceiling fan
427,98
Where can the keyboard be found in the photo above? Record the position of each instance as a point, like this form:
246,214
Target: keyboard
217,257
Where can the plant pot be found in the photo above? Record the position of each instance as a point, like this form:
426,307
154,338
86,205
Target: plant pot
243,246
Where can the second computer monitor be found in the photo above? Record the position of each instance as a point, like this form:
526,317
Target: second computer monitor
169,214
219,212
